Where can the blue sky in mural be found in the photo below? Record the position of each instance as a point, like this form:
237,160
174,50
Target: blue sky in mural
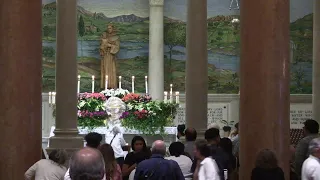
176,8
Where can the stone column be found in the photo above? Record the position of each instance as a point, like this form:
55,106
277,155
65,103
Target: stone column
264,77
20,87
316,61
197,66
156,62
66,132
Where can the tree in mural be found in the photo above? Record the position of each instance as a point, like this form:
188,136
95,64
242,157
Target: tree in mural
174,35
46,31
298,77
81,29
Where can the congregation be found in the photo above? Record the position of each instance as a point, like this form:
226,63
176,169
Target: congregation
215,158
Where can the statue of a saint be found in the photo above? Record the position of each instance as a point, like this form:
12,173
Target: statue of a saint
109,47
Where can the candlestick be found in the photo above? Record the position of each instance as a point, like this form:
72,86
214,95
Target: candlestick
120,82
177,97
92,84
106,83
50,98
54,98
78,89
171,96
132,84
146,83
165,99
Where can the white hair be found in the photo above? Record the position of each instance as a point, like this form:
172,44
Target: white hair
314,145
116,130
214,125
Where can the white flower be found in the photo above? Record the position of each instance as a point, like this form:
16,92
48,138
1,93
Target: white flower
235,20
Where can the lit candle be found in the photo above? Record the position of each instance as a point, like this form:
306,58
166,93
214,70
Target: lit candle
78,89
146,82
165,96
50,98
54,98
177,97
106,83
171,88
171,94
92,84
132,84
120,82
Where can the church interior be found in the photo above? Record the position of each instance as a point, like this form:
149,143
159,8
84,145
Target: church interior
154,68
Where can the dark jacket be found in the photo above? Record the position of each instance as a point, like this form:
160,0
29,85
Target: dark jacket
267,174
158,168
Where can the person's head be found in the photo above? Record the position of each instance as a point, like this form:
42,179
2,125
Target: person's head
59,156
110,28
87,164
180,129
104,35
214,125
212,135
202,150
176,149
266,159
158,147
311,127
109,159
236,126
138,144
314,147
191,134
226,128
226,145
93,139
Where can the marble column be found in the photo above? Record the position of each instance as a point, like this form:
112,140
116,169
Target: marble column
156,52
197,66
264,78
66,132
20,87
316,61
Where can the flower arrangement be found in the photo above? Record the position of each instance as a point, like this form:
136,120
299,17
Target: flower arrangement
145,115
120,93
91,110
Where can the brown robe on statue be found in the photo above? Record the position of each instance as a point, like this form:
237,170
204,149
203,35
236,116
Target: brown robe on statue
109,48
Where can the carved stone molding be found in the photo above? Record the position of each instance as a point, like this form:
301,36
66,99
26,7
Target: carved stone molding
156,2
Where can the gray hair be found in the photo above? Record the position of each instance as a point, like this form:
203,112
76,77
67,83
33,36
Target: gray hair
314,145
214,125
158,147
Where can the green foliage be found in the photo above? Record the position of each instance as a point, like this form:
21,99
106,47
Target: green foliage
46,31
81,27
48,51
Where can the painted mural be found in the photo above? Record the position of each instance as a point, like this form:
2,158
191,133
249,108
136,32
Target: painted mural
131,22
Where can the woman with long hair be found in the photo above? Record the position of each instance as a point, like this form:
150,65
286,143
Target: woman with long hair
112,169
52,168
267,167
138,145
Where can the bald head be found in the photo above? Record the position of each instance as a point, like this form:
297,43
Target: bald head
191,134
87,164
159,147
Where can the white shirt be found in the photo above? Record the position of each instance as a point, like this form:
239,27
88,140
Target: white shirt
208,170
311,169
184,163
67,176
131,177
117,144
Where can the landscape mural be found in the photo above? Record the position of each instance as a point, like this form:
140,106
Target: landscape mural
130,17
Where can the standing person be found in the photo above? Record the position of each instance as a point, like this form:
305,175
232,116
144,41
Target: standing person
267,167
191,137
112,168
140,151
207,168
311,166
311,130
158,168
226,146
117,142
180,129
52,168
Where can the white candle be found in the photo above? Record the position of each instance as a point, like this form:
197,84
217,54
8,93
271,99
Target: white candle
92,84
50,98
171,88
132,84
171,97
146,82
78,89
106,83
120,82
177,97
165,99
54,98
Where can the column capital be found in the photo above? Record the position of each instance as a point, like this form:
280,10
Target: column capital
156,2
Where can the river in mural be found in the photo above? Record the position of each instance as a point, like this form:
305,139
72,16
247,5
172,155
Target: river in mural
130,18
